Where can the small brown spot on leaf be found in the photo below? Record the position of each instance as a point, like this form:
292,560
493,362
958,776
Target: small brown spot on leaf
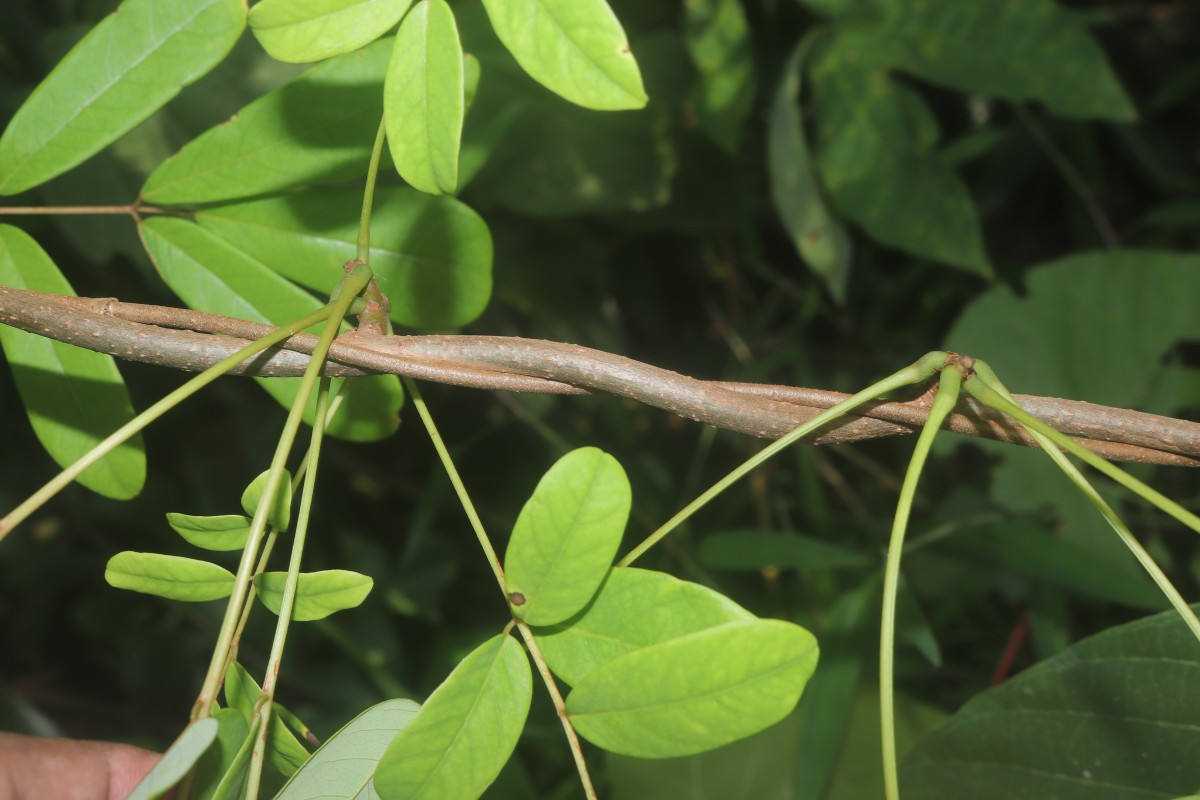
517,599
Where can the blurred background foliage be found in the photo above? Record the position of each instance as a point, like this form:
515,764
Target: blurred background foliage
1023,185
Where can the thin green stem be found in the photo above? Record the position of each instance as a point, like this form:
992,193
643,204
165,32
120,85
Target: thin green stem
288,601
343,296
1110,516
129,429
943,404
363,253
560,708
982,391
448,464
914,373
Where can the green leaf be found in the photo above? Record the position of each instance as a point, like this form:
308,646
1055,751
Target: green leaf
696,692
318,594
718,39
319,29
566,536
465,731
343,767
280,515
575,48
1090,326
125,69
74,398
635,608
1016,50
432,256
755,550
423,99
1113,717
210,274
310,131
221,533
173,577
816,234
284,750
179,759
876,139
221,759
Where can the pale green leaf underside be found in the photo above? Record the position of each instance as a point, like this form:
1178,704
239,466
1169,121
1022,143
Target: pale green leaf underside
818,237
343,767
125,69
177,761
575,48
172,577
210,274
221,533
696,692
634,608
74,398
318,594
432,256
310,131
566,536
465,731
423,98
280,515
1114,717
318,29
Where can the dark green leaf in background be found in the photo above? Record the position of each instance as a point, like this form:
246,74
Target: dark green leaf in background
318,594
875,153
465,731
124,70
74,398
1114,717
635,608
756,550
318,128
319,29
343,767
172,577
210,274
432,256
695,692
566,536
575,48
423,101
816,234
718,39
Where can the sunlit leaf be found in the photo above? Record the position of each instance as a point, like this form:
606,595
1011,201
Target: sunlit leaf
465,731
318,128
423,98
177,761
125,69
696,692
74,397
575,48
284,750
173,577
209,274
566,536
343,767
319,29
318,594
280,515
816,234
1113,716
432,256
227,532
635,608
